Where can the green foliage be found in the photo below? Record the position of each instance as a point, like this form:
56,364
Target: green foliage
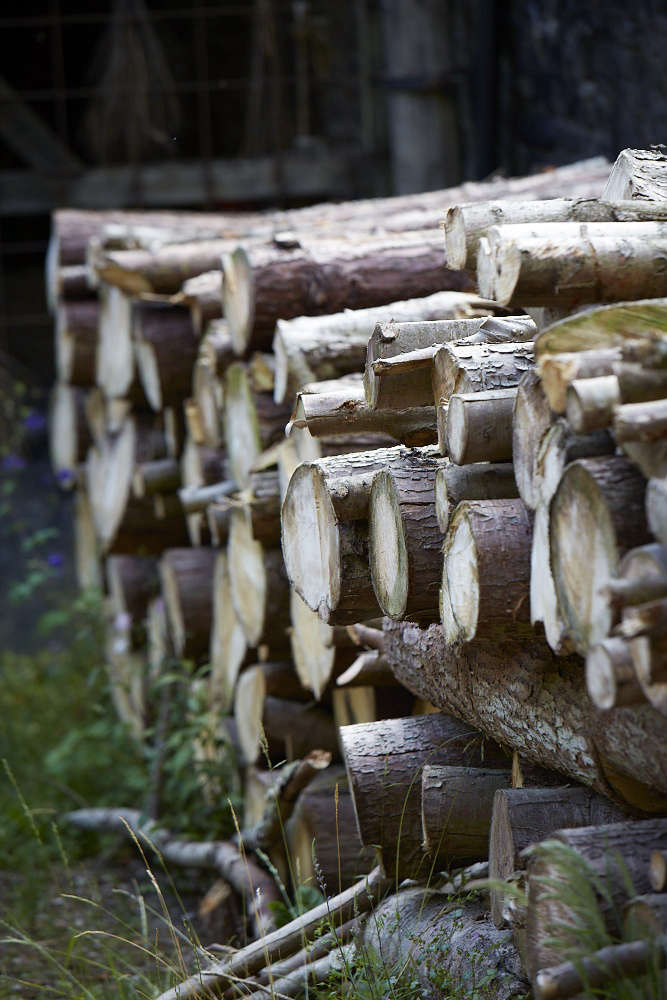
306,897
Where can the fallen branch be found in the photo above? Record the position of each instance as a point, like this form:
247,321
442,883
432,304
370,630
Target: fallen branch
620,961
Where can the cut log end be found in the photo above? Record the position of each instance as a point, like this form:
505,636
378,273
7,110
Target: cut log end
459,595
247,576
455,239
387,548
312,646
238,298
610,675
310,539
149,373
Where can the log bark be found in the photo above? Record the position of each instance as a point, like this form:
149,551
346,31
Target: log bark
282,942
325,533
479,426
638,175
161,271
591,403
133,582
384,762
604,497
531,420
478,367
525,816
456,811
76,339
166,350
265,284
572,264
314,348
605,967
486,570
474,319
418,930
559,371
405,541
252,422
160,476
603,327
301,727
637,384
610,675
229,647
322,837
464,225
259,586
644,422
202,294
186,577
527,699
255,684
345,411
613,852
480,481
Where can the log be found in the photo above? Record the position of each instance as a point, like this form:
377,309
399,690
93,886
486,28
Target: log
115,372
604,497
544,607
637,384
126,669
478,367
207,395
301,727
161,271
525,816
88,568
166,349
486,570
531,420
76,338
615,852
644,422
368,669
201,467
559,371
345,411
365,704
404,539
591,403
261,502
524,697
657,872
242,872
160,647
558,447
314,348
69,435
322,837
160,476
252,422
456,812
637,175
410,385
464,225
313,971
255,684
431,939
610,675
265,284
229,648
649,658
186,577
605,967
319,651
646,916
479,426
571,264
604,327
132,582
202,294
325,533
480,481
282,942
259,586
384,762
656,508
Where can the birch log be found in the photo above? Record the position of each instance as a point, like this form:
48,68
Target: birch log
604,497
524,697
572,264
384,762
405,541
486,570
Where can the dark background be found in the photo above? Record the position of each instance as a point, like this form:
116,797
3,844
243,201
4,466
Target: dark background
112,103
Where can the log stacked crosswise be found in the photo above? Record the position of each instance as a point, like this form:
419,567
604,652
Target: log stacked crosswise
398,497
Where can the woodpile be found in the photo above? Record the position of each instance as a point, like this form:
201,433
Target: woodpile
282,427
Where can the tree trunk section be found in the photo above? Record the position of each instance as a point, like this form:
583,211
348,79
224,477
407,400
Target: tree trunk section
479,426
166,350
187,587
479,367
456,812
481,481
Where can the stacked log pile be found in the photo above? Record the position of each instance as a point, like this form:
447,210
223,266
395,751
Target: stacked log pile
399,508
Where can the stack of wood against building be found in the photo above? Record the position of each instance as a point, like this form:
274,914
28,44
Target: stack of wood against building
405,493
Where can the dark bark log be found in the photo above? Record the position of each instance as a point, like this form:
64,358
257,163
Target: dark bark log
166,350
187,587
456,811
482,481
605,967
76,341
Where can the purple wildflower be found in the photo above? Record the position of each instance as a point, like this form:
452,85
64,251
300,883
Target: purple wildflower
65,475
55,560
12,462
34,421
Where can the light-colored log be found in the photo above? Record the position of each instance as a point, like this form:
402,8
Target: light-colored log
524,697
203,296
87,562
530,421
160,476
166,349
603,968
656,508
254,685
604,498
195,499
610,675
638,175
644,422
657,871
615,852
207,394
478,367
464,225
572,264
368,669
186,577
252,422
486,570
638,384
384,762
591,403
76,338
314,348
115,373
163,270
525,816
481,481
479,426
69,435
559,371
405,541
228,648
319,650
456,811
259,585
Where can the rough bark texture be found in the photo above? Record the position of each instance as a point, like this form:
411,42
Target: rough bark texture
477,367
479,426
524,697
384,762
76,341
166,349
456,811
187,587
482,481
